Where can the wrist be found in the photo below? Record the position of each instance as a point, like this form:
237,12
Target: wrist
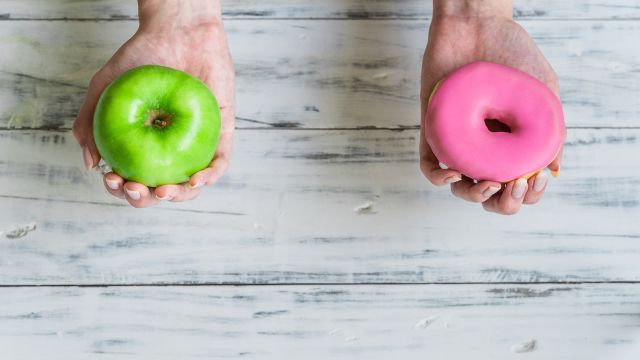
472,9
160,15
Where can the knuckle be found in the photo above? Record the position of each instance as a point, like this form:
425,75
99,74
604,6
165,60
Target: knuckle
95,79
76,130
192,195
435,182
426,170
467,194
435,178
224,166
137,205
423,169
531,200
475,196
487,206
509,210
116,194
456,192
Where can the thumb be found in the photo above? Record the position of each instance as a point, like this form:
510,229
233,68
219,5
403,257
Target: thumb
83,125
554,167
552,83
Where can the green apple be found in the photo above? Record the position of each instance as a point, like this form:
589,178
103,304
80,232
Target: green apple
156,125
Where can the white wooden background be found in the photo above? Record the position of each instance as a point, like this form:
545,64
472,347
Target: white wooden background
323,240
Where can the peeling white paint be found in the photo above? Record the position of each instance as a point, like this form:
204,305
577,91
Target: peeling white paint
346,335
20,231
426,322
379,76
525,346
366,208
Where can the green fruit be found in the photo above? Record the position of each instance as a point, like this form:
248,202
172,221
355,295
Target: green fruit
156,125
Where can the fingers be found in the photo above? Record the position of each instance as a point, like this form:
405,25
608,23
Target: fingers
188,195
431,168
536,186
507,202
90,148
429,164
510,200
191,189
439,176
479,192
138,195
436,175
113,183
209,175
83,125
176,193
555,164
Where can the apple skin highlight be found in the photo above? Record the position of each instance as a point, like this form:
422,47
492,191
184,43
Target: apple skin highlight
156,125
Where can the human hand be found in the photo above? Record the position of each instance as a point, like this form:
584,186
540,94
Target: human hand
186,35
462,32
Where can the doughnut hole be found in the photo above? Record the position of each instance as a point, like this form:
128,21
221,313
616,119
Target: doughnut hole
495,125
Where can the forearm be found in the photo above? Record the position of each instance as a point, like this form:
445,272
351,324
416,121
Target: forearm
472,8
162,14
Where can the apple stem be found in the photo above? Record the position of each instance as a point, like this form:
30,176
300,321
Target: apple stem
160,122
158,119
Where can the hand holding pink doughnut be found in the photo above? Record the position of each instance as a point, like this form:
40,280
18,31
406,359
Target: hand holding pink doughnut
461,33
459,137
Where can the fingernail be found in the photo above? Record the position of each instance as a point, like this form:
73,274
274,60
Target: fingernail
88,159
113,184
540,182
197,185
452,179
490,191
167,197
519,188
133,194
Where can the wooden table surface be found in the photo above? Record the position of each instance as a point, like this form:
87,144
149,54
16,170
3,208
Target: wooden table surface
323,241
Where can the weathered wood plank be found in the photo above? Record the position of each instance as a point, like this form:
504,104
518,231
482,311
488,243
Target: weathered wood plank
318,74
287,213
335,9
337,322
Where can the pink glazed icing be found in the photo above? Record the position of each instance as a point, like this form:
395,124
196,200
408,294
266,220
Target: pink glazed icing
456,131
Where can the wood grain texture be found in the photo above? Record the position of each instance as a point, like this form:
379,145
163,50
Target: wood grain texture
287,212
319,214
317,74
587,322
334,9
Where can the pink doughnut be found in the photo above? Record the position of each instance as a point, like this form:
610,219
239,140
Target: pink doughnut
455,125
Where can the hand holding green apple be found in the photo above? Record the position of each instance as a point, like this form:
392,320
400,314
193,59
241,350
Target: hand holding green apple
189,37
156,125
